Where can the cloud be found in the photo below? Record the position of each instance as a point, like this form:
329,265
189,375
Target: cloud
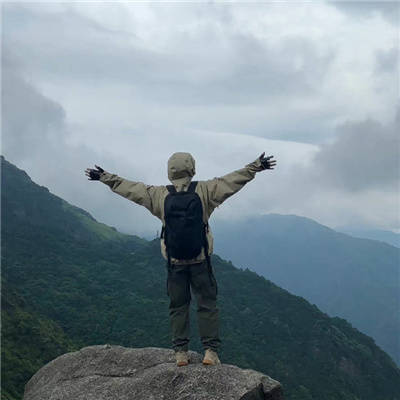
353,180
233,68
39,120
364,155
387,61
389,10
38,137
126,85
219,67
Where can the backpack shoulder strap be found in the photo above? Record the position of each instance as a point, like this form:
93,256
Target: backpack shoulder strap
171,188
192,186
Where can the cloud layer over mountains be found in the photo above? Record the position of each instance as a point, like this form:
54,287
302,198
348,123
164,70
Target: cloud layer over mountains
125,85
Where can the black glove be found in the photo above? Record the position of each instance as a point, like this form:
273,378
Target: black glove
267,162
94,174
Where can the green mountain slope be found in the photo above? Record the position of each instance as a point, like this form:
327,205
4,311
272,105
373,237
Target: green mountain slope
28,341
352,278
98,286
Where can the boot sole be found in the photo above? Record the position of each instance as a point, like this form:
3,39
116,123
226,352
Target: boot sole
182,364
208,362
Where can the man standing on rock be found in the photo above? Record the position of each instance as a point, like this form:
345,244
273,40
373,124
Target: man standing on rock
186,240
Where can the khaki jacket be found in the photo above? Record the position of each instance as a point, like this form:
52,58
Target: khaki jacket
212,192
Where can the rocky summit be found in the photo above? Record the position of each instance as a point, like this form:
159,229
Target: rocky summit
119,373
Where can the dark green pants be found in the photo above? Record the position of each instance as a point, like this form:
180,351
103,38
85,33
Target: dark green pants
180,279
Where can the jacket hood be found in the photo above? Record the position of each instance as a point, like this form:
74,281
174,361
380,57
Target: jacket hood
181,169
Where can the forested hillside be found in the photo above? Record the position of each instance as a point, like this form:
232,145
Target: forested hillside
352,278
69,281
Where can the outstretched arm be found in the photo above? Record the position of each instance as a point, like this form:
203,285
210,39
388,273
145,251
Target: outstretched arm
219,189
138,192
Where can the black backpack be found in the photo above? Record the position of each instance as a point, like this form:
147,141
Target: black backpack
184,232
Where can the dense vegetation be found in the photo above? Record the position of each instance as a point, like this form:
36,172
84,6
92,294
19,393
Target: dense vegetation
69,281
28,342
355,279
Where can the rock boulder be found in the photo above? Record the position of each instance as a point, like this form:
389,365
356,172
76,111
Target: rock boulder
118,373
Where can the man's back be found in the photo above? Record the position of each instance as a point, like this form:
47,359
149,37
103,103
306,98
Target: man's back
181,169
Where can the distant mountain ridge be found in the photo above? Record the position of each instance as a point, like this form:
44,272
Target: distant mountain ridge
374,234
69,281
356,279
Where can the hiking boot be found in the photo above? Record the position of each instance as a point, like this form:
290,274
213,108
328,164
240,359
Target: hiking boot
211,358
182,358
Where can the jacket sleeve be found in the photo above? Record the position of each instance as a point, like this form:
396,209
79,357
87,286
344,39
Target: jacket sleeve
219,189
138,192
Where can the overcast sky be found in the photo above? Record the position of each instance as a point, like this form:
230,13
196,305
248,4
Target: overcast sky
125,85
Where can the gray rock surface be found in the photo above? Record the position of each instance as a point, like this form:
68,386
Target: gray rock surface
120,373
